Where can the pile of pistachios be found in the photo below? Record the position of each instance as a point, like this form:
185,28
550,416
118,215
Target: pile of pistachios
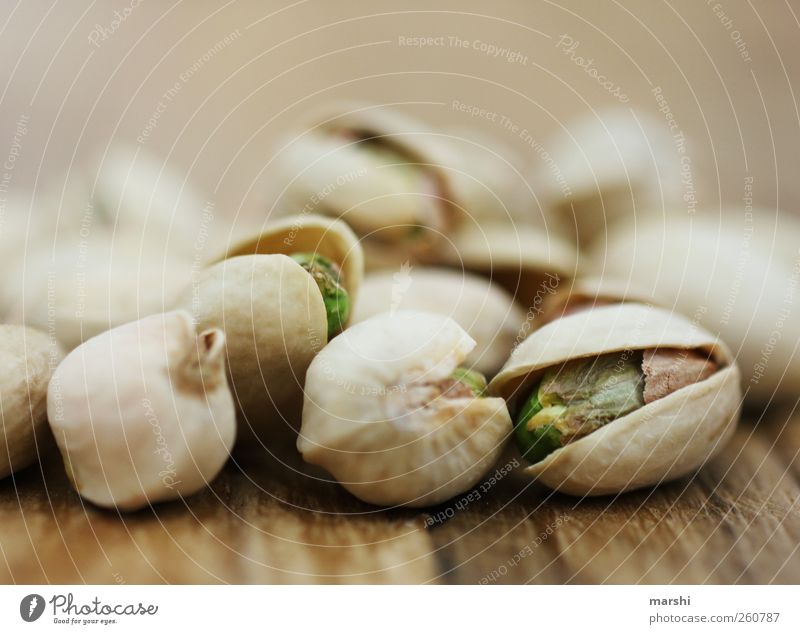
404,314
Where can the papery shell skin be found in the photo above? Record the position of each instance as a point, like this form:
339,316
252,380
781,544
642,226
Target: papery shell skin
486,311
663,440
135,420
27,360
275,322
736,277
309,233
359,422
591,292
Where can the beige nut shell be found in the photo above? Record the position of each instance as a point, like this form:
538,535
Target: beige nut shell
142,413
275,322
486,311
368,421
661,441
309,233
736,273
27,359
520,257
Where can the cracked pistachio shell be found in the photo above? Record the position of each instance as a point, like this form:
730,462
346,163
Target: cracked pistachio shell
663,440
607,167
382,171
27,359
590,292
374,417
309,233
275,322
142,413
487,312
736,274
525,260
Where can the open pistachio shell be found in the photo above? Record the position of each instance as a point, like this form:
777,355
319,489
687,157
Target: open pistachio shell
275,322
309,233
487,312
663,440
378,169
382,415
735,273
528,262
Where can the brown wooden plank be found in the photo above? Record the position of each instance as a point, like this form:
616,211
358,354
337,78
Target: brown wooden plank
264,521
737,521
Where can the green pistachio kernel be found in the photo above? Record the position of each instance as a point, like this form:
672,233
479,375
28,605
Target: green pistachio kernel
578,398
328,278
475,381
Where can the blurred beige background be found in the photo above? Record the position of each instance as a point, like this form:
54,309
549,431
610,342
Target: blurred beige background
210,86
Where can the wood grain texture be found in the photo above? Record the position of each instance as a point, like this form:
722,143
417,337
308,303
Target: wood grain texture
268,521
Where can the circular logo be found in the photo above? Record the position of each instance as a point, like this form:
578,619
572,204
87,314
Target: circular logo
31,607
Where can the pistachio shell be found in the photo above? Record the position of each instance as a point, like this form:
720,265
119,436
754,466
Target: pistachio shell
520,258
663,440
27,360
313,234
142,413
374,417
615,163
275,322
591,292
331,169
484,310
736,274
81,289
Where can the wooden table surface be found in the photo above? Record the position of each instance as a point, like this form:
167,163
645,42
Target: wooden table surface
271,521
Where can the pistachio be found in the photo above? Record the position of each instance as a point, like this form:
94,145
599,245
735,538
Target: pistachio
143,413
619,397
391,414
611,165
82,288
275,321
485,310
327,275
379,170
27,358
735,273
